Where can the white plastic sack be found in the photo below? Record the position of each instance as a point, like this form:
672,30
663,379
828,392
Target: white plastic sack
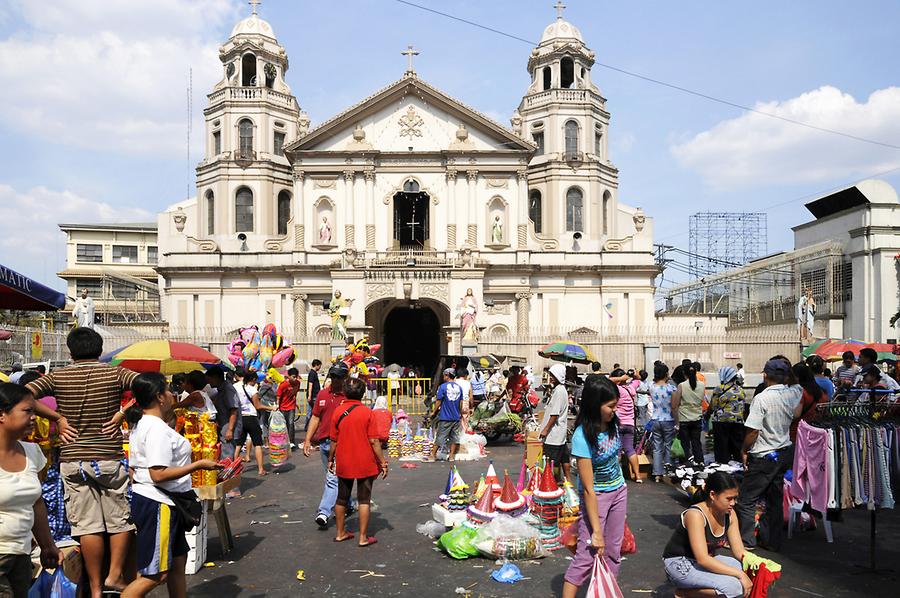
510,538
431,528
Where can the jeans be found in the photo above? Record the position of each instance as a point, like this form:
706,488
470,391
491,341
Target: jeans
727,440
686,574
689,435
330,492
663,434
289,421
764,478
309,408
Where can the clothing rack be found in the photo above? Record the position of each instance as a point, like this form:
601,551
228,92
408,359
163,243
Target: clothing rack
868,413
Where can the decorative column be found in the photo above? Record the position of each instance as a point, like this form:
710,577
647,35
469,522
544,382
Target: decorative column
522,189
523,305
472,176
370,209
451,209
299,210
299,314
349,228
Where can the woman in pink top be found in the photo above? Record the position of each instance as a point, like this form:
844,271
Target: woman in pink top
627,386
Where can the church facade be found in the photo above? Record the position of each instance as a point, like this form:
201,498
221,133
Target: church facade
404,202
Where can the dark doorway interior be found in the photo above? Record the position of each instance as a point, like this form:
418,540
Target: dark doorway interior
411,219
412,337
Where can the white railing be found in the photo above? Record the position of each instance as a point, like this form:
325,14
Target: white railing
556,95
251,94
410,258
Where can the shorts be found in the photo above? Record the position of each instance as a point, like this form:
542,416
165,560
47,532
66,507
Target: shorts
447,433
96,497
160,535
15,575
363,490
253,429
557,454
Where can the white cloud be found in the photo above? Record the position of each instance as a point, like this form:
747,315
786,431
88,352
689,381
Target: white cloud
30,240
756,150
111,75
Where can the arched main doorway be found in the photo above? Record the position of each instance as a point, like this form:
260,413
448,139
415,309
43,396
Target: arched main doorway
411,332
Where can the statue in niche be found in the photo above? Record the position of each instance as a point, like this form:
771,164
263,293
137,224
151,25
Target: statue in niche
325,234
468,311
497,231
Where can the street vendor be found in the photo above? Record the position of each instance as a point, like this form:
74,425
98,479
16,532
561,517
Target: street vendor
554,426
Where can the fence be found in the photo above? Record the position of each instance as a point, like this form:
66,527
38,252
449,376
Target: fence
404,393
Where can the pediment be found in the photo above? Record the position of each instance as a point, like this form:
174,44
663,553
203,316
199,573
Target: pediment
410,115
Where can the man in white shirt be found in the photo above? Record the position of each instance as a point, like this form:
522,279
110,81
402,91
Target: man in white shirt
554,425
462,380
768,453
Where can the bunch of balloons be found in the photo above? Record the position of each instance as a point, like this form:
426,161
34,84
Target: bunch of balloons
260,352
360,359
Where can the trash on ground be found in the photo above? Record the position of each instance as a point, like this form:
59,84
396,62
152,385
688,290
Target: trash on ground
301,575
508,573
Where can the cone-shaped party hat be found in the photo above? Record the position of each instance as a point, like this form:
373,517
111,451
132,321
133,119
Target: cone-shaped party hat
480,487
456,481
509,499
570,497
449,480
533,480
491,478
523,473
547,487
483,510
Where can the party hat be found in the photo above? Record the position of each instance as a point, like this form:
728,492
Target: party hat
480,487
570,499
523,472
509,499
491,478
547,487
533,481
456,480
483,510
449,480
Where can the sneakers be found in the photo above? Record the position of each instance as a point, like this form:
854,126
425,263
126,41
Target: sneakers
322,521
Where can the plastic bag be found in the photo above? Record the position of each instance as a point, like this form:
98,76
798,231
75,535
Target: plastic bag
629,544
569,537
677,451
458,542
603,582
431,528
508,573
279,444
510,538
55,585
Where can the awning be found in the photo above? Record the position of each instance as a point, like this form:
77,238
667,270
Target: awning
17,291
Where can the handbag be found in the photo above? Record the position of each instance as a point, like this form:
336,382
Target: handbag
603,582
188,507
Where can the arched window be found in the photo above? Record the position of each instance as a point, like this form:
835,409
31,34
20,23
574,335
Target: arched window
243,211
566,72
245,132
248,70
284,211
574,210
210,213
548,77
411,186
571,138
535,211
606,197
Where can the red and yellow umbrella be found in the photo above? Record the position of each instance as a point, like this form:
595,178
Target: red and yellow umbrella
167,357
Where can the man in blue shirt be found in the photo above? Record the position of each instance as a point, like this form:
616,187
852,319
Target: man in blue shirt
448,409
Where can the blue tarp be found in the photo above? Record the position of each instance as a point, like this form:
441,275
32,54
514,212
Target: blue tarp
17,291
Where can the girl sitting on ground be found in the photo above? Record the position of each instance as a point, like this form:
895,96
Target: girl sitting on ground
690,556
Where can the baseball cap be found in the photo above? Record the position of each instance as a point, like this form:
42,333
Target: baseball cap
776,367
558,371
450,372
339,370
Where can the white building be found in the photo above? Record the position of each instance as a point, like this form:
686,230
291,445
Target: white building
848,256
402,202
115,264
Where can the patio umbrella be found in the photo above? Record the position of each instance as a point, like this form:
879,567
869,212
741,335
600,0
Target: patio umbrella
485,361
833,349
167,357
567,352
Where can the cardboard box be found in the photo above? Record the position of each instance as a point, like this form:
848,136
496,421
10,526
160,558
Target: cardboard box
644,466
197,540
534,448
218,491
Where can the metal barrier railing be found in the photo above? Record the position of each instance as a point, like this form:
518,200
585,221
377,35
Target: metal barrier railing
404,393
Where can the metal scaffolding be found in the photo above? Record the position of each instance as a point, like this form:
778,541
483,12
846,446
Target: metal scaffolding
723,240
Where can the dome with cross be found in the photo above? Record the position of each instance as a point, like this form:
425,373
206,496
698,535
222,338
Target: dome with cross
560,28
253,25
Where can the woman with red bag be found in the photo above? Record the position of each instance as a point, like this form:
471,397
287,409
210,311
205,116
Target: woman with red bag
690,556
596,445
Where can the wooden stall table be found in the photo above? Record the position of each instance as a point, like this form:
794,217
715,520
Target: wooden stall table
214,499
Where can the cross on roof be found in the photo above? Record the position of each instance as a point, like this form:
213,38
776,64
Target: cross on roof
254,4
560,7
409,53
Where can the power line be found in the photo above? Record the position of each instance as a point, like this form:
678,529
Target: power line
680,88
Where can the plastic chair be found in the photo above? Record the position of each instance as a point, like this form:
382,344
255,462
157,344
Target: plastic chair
794,512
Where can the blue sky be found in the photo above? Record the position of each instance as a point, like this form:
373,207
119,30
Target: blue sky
94,112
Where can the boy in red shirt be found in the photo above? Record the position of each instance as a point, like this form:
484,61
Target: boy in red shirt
355,455
287,401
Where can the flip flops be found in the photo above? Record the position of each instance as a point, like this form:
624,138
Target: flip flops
369,541
347,536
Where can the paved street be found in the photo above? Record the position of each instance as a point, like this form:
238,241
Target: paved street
267,556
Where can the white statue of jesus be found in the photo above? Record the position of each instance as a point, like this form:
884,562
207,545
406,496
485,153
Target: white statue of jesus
84,311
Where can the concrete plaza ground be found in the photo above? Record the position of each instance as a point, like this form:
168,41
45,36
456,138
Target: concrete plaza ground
267,555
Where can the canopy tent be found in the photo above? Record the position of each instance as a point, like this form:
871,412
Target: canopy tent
17,291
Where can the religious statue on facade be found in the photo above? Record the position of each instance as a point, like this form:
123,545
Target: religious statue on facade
806,314
325,232
84,311
468,310
497,231
339,309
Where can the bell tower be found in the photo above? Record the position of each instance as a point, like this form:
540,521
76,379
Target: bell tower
244,182
572,183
